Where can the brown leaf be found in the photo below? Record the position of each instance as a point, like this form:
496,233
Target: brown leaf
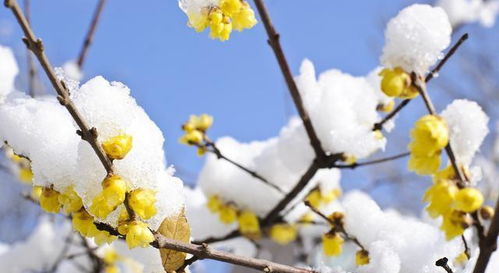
175,227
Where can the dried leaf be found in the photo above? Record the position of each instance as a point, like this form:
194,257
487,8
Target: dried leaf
177,228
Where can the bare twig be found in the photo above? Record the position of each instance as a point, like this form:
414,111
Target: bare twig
339,228
220,155
429,77
466,247
443,263
31,64
91,32
204,252
274,42
372,162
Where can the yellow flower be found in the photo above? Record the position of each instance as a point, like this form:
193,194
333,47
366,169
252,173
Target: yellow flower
453,224
118,147
123,221
314,198
26,175
49,200
307,218
142,202
228,214
198,21
332,244
387,107
138,235
249,224
461,259
447,173
244,19
424,165
192,137
102,236
214,204
112,195
440,196
111,269
429,135
36,192
70,200
349,159
110,256
469,199
487,212
361,257
202,123
283,233
397,83
230,7
83,222
330,196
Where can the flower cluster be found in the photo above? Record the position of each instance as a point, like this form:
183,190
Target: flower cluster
454,204
428,137
248,222
221,18
195,131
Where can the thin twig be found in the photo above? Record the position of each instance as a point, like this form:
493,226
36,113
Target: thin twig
31,64
466,247
91,33
372,162
443,263
339,228
216,151
429,77
274,42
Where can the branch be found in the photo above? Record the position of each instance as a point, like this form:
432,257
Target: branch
335,225
204,252
274,42
376,161
433,73
443,263
489,244
220,155
31,64
36,46
91,32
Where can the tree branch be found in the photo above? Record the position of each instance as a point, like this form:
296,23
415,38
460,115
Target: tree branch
91,32
489,243
372,162
204,252
274,42
220,155
36,46
429,77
